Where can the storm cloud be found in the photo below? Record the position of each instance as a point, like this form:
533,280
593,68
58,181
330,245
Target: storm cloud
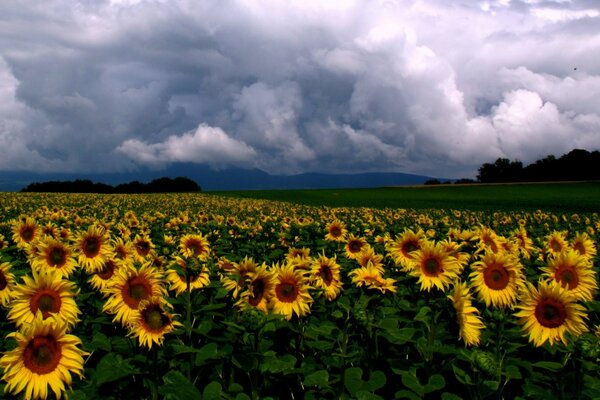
432,87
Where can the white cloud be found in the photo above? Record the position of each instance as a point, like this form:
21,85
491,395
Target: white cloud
204,145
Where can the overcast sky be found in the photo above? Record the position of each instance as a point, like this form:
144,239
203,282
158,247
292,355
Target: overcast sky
434,87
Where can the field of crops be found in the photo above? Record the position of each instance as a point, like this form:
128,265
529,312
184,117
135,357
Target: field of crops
197,296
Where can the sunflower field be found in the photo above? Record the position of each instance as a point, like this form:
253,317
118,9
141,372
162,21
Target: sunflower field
196,296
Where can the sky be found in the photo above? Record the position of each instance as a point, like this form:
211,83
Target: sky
431,87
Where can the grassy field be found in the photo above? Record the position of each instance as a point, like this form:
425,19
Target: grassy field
563,197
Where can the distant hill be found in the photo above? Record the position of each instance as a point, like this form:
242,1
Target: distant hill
225,179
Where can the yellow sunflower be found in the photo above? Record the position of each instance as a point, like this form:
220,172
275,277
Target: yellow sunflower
289,295
524,242
152,322
325,275
584,245
497,279
555,243
336,231
143,248
371,277
45,357
368,255
25,231
177,280
128,288
401,248
122,251
92,248
434,266
548,312
194,246
47,293
354,244
573,272
260,287
100,280
467,316
7,284
236,279
294,254
56,255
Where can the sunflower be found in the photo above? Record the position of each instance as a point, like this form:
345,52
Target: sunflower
555,243
584,245
194,246
294,253
143,248
152,322
177,277
402,246
548,312
368,255
354,244
289,295
573,272
7,284
260,288
55,255
371,277
122,251
45,356
47,293
50,230
92,248
434,266
100,280
128,288
235,279
325,275
524,242
497,279
336,231
25,231
467,316
487,239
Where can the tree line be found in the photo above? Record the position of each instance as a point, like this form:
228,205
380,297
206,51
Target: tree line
577,165
160,185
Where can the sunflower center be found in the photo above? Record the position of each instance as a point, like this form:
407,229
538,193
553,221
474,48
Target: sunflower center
258,291
42,354
354,247
47,301
27,234
287,292
57,257
568,277
136,290
550,313
195,247
154,318
579,247
409,247
107,271
432,267
91,247
3,281
554,245
326,275
496,277
143,248
335,231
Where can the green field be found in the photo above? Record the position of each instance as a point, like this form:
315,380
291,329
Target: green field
562,197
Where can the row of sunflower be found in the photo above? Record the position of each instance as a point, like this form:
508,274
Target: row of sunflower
247,299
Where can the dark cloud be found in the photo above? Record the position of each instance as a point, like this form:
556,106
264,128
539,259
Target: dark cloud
427,87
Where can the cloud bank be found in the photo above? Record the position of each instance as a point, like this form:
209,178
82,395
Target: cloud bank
436,87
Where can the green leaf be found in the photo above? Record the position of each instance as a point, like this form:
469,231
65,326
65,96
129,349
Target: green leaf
462,376
177,387
364,395
274,364
317,378
207,352
512,372
424,314
450,396
410,380
212,391
549,365
376,381
99,342
436,382
406,394
112,367
353,380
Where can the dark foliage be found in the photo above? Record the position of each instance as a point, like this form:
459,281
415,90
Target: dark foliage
577,165
160,185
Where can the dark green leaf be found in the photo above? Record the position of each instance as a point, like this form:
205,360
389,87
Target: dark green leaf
317,378
177,387
113,367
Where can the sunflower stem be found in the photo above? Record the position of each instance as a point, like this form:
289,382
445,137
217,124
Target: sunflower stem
188,322
155,373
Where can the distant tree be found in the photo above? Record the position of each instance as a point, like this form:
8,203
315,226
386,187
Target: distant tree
160,185
464,181
432,182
